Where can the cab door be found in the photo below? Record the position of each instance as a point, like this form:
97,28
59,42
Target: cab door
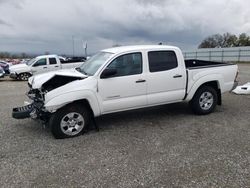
126,89
166,78
39,66
53,64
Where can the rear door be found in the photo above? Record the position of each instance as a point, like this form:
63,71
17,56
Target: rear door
53,64
166,79
127,88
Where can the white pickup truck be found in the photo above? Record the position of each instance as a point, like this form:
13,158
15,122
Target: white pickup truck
39,65
125,78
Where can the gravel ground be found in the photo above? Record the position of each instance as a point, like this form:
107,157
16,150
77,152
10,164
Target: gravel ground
166,146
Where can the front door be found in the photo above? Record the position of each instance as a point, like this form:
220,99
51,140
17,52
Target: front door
39,66
127,88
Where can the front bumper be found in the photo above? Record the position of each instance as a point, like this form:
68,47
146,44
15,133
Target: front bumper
23,112
1,75
34,111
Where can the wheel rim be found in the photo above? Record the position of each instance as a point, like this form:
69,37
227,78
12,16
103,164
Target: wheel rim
72,123
24,76
206,100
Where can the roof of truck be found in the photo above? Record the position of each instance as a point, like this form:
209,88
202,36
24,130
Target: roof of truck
138,47
47,56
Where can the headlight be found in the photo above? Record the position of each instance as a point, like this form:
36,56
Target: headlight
31,81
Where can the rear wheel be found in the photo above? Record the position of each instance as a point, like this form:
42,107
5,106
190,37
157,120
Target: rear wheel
69,121
24,76
204,100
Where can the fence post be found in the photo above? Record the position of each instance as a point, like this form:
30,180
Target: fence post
209,55
239,55
222,55
196,55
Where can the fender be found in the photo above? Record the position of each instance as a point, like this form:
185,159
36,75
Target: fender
19,70
207,78
59,101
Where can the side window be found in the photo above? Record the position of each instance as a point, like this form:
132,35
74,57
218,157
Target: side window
162,61
129,64
40,62
52,61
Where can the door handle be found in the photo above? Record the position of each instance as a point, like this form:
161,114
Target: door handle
56,66
45,67
177,76
140,81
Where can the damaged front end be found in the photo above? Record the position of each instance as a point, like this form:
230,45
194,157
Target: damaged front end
36,109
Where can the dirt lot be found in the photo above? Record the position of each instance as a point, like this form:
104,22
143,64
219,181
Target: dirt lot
166,146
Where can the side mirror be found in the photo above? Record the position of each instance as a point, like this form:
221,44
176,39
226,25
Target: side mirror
107,73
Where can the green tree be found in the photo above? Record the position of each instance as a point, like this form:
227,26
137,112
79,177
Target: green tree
225,40
243,40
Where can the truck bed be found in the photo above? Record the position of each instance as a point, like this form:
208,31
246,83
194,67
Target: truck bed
196,64
224,73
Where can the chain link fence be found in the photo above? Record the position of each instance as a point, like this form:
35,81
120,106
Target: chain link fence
220,54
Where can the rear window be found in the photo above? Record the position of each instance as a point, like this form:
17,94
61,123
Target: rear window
52,61
162,61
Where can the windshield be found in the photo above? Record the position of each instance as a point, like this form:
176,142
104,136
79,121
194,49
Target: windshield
94,63
30,62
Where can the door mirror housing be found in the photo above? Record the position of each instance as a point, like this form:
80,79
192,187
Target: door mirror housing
107,73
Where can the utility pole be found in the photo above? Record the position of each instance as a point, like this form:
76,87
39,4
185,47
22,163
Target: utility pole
73,45
85,47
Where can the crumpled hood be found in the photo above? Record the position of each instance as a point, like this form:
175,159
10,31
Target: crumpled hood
19,67
38,80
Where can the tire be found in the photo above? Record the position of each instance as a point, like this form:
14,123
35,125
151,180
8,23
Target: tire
69,121
24,76
204,100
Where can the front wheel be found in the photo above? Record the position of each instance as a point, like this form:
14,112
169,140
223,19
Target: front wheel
204,100
69,121
24,76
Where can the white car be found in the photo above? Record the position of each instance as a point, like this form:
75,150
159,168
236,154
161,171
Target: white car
125,78
40,65
2,73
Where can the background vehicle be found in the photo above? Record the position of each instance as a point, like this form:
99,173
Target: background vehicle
5,66
2,73
39,65
76,59
125,78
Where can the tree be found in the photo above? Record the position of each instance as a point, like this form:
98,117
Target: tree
243,40
226,40
23,55
229,40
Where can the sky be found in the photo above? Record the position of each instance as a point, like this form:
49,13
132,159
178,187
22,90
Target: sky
39,26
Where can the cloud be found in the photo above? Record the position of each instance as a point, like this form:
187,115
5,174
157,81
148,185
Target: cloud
2,22
18,4
39,26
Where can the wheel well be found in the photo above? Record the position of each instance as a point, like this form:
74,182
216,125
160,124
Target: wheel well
24,73
216,86
85,103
